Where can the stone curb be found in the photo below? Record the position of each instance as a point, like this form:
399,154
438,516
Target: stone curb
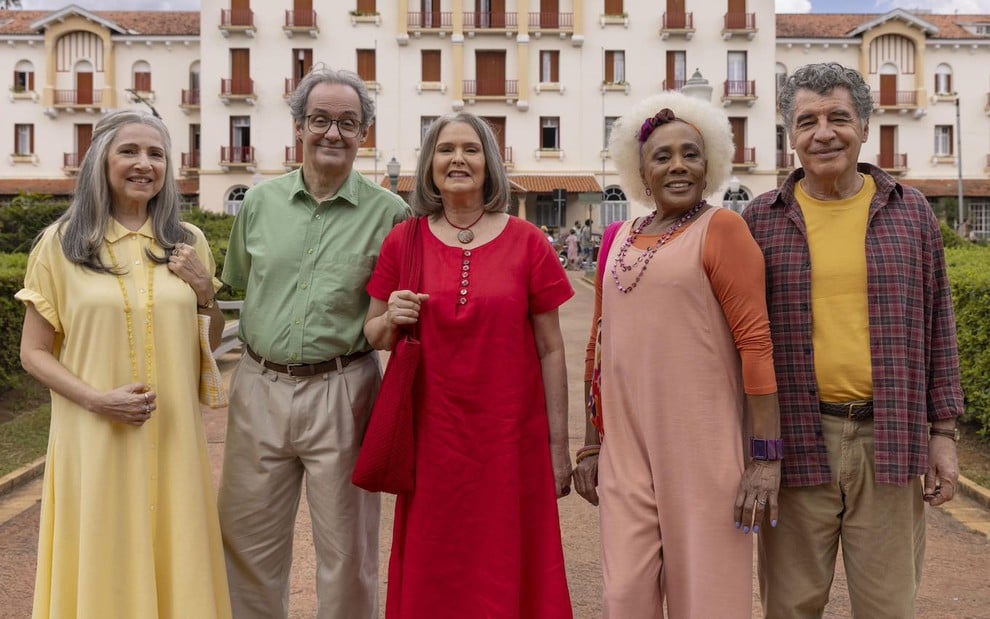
21,476
974,491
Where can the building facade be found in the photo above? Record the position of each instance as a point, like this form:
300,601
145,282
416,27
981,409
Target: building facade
549,75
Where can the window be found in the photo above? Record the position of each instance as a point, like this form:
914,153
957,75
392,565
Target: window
943,79
609,123
430,62
369,140
736,72
614,7
979,217
24,77
23,140
240,139
232,203
366,64
615,67
614,207
943,140
780,73
549,66
549,133
676,70
424,126
142,76
367,7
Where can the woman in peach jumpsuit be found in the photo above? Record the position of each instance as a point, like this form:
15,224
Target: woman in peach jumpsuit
686,378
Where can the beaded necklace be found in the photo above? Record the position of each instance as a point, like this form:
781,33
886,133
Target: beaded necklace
647,255
129,319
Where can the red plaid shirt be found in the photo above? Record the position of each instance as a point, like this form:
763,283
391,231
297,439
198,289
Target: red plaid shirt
912,329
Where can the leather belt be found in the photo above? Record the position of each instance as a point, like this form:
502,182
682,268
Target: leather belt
307,369
859,410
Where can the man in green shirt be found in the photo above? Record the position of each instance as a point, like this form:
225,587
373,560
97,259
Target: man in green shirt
303,247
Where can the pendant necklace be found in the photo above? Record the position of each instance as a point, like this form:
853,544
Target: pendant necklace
464,234
129,319
647,255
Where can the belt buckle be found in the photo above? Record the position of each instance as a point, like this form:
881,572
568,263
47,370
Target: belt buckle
850,414
289,366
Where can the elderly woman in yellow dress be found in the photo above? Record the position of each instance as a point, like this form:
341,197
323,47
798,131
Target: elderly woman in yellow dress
686,375
129,525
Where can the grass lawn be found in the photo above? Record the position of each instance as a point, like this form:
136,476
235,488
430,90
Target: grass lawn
24,415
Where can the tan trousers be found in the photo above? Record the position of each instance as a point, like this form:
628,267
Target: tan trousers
881,527
280,431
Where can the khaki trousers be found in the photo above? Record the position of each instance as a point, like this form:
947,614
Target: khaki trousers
280,431
881,527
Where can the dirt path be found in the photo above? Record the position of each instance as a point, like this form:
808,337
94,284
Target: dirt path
955,583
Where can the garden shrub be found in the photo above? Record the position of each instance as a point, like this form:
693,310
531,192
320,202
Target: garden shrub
969,276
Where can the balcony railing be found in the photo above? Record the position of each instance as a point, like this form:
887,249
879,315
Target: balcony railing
899,98
507,154
190,161
489,19
71,160
551,21
678,21
892,161
78,97
236,18
491,88
236,154
240,87
190,97
785,161
294,154
673,84
744,155
432,20
300,19
290,85
740,88
740,21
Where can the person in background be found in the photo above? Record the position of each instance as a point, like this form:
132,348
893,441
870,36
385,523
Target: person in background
302,247
129,523
479,536
690,453
572,249
866,360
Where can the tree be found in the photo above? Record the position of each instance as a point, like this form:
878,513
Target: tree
10,4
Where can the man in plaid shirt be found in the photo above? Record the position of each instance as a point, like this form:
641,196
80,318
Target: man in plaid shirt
865,354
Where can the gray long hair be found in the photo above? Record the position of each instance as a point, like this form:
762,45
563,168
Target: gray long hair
822,78
84,223
322,74
496,191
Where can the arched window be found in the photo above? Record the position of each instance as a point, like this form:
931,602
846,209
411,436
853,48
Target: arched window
232,203
943,79
141,72
615,205
24,76
194,76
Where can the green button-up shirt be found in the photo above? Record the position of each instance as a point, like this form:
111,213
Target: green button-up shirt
304,265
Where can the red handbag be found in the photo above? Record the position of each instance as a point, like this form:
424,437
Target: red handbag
387,459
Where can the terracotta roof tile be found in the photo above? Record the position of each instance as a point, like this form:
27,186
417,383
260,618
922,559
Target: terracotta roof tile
66,186
839,25
156,23
947,187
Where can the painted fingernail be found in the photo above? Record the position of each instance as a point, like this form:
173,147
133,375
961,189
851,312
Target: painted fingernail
738,524
746,529
756,528
773,523
566,490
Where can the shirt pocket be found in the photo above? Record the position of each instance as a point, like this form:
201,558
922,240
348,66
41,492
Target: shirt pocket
340,281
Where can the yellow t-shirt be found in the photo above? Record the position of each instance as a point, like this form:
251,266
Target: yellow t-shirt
840,315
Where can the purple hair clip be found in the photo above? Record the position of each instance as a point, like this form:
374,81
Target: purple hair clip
662,117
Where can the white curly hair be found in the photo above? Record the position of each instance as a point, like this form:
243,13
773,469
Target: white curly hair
711,121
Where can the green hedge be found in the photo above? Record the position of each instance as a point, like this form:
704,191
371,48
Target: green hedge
969,275
11,318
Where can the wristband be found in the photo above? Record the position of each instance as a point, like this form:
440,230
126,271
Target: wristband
208,305
947,433
768,449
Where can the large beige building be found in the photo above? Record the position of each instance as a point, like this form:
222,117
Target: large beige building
550,75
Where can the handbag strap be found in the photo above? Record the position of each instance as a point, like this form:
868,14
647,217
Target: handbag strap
607,237
411,268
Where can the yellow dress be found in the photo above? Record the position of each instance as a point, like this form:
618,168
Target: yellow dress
129,526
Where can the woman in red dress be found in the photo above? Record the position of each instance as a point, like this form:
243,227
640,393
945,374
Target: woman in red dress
479,536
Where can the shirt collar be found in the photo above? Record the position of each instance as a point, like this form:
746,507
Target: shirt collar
347,193
116,231
885,183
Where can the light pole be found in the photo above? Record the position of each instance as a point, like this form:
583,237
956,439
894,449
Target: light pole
392,168
697,87
735,194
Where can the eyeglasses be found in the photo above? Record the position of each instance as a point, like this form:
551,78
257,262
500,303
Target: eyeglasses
346,127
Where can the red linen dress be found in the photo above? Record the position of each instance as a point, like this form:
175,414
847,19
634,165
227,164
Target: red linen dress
479,537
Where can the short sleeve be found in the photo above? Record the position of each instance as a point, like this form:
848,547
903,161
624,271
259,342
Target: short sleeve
42,276
549,287
385,278
237,261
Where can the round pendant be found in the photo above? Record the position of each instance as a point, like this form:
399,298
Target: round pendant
465,236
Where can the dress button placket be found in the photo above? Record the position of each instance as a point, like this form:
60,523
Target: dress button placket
465,274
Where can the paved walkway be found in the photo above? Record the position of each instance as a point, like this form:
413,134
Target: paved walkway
954,584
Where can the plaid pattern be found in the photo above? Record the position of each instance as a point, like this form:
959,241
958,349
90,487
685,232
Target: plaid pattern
211,391
912,329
